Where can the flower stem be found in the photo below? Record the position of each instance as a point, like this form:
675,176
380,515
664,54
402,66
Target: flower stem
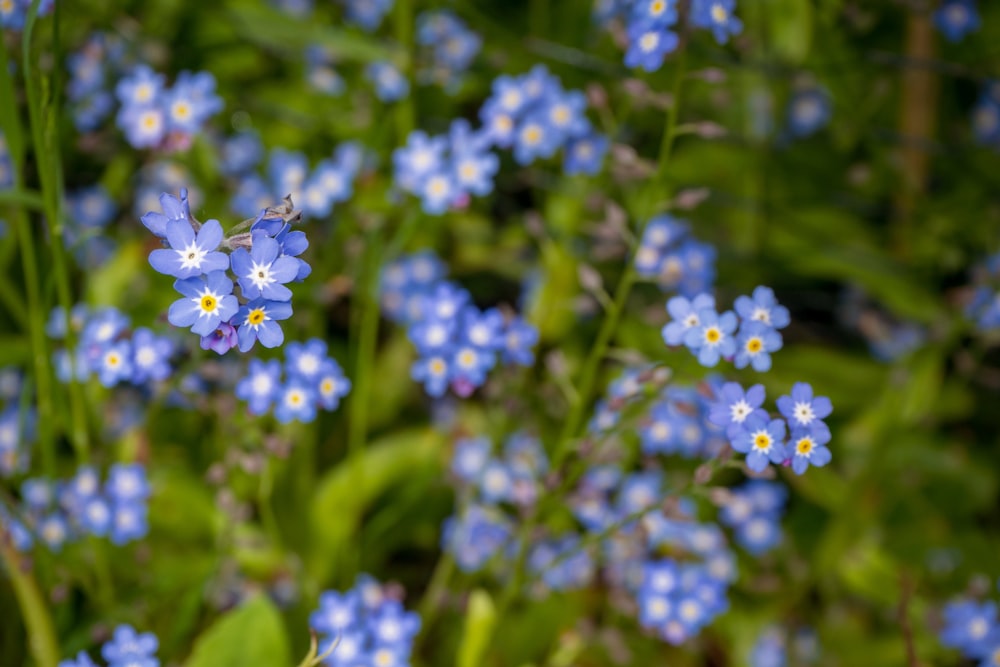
37,619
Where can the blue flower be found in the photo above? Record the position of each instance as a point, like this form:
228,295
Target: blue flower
81,660
755,343
127,483
263,271
53,530
535,138
519,342
95,516
585,154
438,192
150,356
207,302
473,165
115,363
332,385
393,626
763,307
296,402
718,16
305,360
685,316
173,209
808,111
127,645
712,337
655,12
257,320
566,114
260,386
418,159
801,409
649,44
434,372
390,84
808,447
957,18
733,406
969,627
144,127
140,88
337,612
367,14
470,458
761,441
191,101
91,207
190,253
240,153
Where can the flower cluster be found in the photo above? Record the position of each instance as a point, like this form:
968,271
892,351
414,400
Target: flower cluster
483,528
754,511
17,425
451,45
669,255
677,423
972,628
109,349
809,111
366,625
91,68
458,343
677,600
313,381
13,13
753,432
126,648
154,116
651,26
712,336
956,19
775,648
62,512
264,259
535,116
287,174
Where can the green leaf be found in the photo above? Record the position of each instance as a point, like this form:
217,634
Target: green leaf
253,635
345,492
480,617
790,28
270,28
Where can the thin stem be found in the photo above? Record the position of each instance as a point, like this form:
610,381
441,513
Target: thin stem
44,115
40,353
41,632
430,604
614,310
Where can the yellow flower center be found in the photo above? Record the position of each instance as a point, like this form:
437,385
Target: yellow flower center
326,386
719,13
657,7
150,121
437,367
208,303
561,115
533,134
256,316
649,41
182,110
804,446
113,360
713,335
754,345
762,441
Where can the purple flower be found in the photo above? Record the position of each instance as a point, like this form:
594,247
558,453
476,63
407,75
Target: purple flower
221,340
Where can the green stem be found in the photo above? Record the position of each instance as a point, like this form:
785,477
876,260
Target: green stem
37,619
615,309
40,353
430,604
44,115
405,110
